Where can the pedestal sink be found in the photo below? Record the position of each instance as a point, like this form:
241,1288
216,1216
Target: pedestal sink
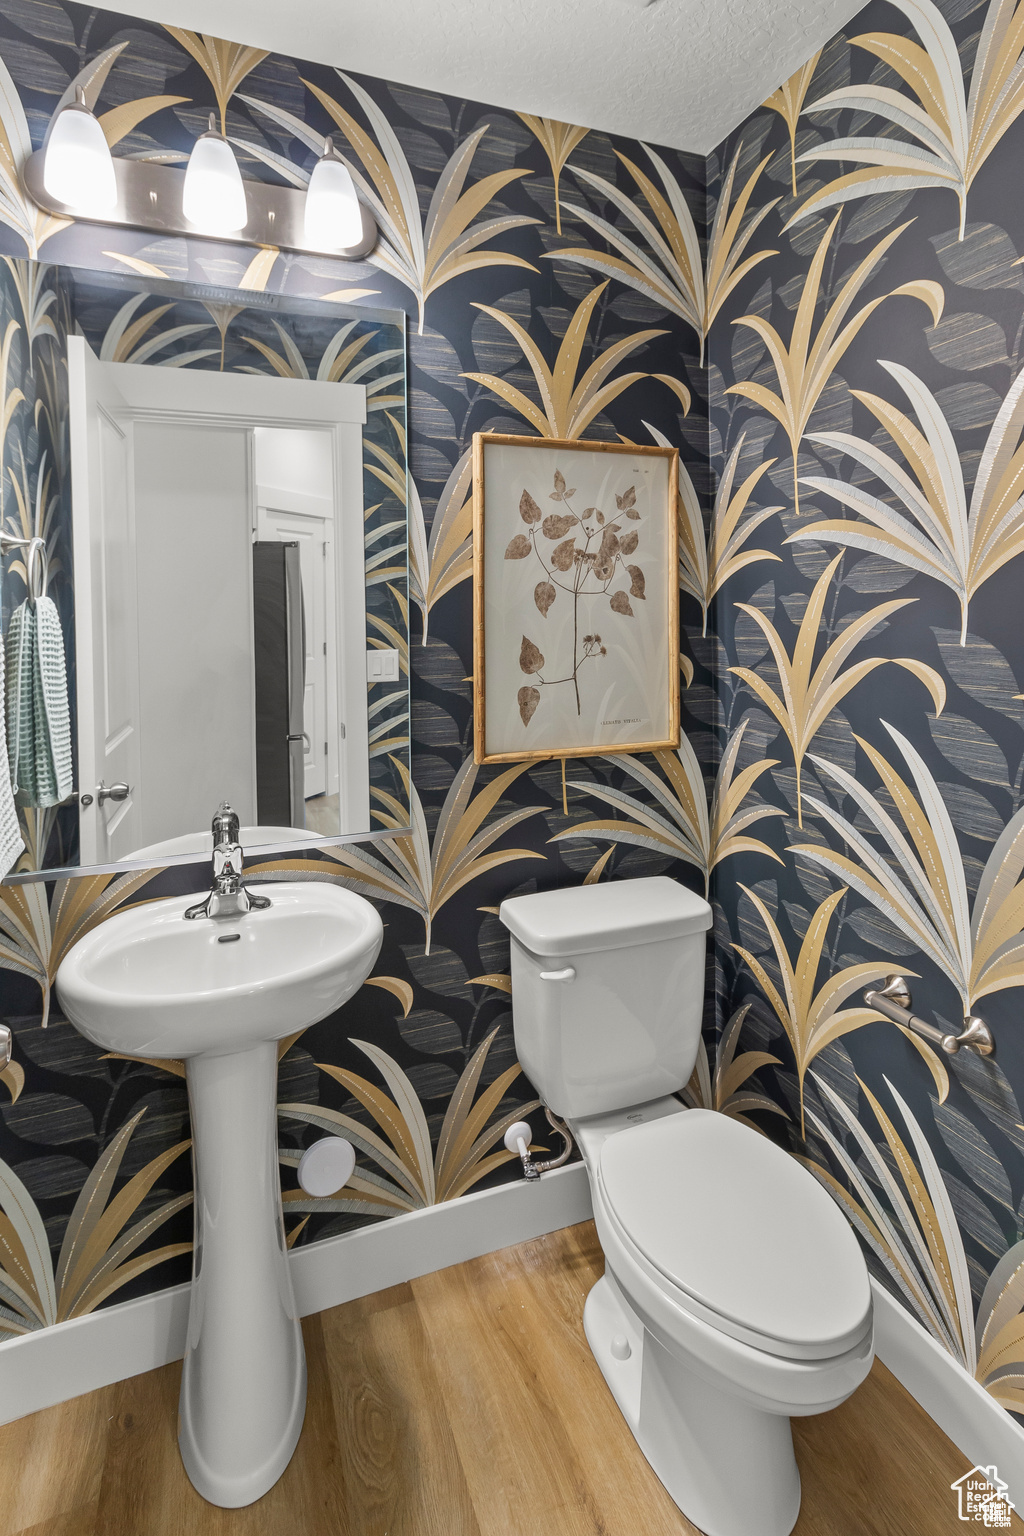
220,994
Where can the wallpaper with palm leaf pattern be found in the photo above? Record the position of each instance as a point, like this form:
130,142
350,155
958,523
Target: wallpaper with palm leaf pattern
418,1070
827,317
867,662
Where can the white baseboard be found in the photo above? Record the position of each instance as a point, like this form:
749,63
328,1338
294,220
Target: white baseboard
53,1364
960,1406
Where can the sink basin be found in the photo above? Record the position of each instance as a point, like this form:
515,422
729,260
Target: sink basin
220,994
148,983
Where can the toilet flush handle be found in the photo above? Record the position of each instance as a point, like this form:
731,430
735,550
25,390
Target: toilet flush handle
569,974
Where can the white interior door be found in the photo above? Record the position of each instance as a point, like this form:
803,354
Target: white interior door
289,517
106,630
193,536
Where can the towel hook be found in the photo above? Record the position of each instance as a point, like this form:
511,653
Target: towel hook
37,564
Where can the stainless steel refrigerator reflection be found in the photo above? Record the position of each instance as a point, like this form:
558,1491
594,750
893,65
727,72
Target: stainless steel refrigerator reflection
279,648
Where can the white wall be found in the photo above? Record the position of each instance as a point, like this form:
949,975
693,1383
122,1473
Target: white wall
193,509
295,460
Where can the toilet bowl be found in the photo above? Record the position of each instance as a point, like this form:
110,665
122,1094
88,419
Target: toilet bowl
735,1294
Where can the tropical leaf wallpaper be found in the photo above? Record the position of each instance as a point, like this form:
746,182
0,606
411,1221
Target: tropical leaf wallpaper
827,317
865,662
418,1070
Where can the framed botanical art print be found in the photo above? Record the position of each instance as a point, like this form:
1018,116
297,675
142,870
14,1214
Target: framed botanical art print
575,598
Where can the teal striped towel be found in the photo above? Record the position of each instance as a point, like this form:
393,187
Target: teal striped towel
11,843
38,719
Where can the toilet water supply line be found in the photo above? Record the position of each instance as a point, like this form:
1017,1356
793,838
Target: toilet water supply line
517,1139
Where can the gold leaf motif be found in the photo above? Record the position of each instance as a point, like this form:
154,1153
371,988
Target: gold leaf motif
562,557
518,548
638,586
529,698
620,604
544,596
528,508
530,658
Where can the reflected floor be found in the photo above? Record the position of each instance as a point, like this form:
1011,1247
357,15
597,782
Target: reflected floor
323,815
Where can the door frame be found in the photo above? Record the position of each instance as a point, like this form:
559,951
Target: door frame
198,396
300,504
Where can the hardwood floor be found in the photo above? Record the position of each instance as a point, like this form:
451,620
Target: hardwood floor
465,1403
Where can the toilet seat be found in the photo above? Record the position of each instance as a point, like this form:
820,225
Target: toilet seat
782,1271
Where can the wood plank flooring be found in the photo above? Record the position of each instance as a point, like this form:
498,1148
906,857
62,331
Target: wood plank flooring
466,1403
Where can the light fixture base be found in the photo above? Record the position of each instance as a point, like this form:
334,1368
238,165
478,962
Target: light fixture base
149,197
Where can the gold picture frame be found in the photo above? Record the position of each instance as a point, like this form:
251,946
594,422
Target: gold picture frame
609,687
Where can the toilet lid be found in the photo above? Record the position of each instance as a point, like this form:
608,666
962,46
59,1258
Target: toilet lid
733,1221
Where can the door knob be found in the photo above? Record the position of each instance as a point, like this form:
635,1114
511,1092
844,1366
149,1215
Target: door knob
115,792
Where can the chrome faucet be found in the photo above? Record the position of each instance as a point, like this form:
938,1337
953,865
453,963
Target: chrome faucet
229,896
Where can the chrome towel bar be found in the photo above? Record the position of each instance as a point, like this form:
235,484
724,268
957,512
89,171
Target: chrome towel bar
894,1000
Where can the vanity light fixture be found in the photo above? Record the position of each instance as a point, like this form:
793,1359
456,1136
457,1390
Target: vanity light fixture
332,218
213,196
75,176
78,169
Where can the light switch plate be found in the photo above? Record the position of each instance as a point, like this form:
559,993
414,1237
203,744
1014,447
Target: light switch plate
382,665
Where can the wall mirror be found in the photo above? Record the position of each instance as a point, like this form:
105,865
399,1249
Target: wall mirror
207,488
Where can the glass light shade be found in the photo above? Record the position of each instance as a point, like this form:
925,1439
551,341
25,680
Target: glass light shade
333,219
77,167
213,197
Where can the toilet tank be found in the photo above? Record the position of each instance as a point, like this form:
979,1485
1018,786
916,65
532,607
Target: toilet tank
607,991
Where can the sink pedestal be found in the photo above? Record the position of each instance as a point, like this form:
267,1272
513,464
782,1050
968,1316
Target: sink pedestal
219,995
243,1386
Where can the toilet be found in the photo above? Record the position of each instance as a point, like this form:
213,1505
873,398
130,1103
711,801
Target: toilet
735,1294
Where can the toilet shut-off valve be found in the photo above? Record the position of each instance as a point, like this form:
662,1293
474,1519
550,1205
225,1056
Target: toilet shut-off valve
517,1140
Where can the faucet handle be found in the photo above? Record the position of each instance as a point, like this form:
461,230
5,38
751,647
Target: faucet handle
225,825
227,860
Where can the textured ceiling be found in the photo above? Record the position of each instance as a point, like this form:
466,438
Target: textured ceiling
676,72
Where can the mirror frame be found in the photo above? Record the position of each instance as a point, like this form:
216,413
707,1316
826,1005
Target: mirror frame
85,286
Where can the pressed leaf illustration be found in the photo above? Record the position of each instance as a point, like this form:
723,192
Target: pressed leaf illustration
582,566
900,1206
95,1258
413,1174
35,935
788,102
811,1018
952,128
411,869
807,694
559,141
919,883
666,267
935,532
682,826
424,254
708,560
805,366
728,1088
566,408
